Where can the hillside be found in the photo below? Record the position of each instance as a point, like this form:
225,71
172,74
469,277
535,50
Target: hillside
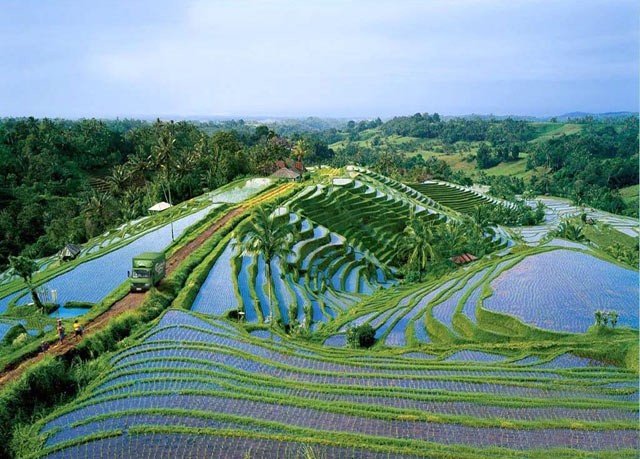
587,159
496,357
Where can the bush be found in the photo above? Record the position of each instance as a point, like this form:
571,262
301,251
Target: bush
13,333
361,336
78,305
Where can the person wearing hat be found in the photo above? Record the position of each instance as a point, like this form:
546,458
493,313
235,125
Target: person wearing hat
78,328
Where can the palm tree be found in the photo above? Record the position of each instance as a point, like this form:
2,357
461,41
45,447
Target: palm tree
119,178
568,230
452,237
416,245
300,149
98,212
162,154
25,267
139,163
268,237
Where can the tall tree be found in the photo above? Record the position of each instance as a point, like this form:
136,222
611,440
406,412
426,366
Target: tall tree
300,149
416,245
25,267
269,237
162,152
452,237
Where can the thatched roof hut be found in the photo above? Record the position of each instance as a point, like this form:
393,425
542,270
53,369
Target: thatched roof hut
464,258
285,173
159,207
69,252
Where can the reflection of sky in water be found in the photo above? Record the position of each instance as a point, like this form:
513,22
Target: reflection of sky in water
93,280
67,313
561,290
217,293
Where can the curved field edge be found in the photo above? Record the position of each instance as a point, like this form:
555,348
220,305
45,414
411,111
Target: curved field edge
401,447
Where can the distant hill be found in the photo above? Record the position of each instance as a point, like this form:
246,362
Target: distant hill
475,116
564,117
597,116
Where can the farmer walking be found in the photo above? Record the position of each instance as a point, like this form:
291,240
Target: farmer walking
77,328
60,331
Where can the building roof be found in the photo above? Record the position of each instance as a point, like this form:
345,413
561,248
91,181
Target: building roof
288,163
283,172
464,258
69,252
160,207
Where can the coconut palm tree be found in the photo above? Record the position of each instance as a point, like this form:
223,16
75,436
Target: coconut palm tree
452,237
98,212
416,245
25,267
269,237
162,153
568,230
119,178
300,149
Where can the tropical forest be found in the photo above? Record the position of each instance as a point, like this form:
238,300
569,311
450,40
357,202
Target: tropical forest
408,287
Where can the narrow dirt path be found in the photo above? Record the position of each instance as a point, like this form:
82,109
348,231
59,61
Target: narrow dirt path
128,303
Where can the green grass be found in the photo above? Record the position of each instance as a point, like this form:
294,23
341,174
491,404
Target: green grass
370,222
630,196
546,131
512,168
605,235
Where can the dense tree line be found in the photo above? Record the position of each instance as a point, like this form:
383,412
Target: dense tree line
498,132
67,181
589,167
393,163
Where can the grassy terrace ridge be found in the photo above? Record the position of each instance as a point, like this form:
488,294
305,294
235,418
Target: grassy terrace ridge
594,408
448,376
452,196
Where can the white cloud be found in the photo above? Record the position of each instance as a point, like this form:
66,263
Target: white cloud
291,56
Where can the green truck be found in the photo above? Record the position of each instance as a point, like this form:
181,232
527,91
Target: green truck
148,269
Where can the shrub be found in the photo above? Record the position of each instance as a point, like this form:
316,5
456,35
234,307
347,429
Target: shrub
13,333
78,305
361,336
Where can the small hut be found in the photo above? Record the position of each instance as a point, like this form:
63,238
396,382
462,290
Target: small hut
284,173
159,207
69,252
463,259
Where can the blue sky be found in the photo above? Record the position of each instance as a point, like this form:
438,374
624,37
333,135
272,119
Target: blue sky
317,58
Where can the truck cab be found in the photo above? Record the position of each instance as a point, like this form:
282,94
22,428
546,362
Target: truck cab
148,269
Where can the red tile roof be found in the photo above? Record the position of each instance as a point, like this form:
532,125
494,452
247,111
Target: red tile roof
464,258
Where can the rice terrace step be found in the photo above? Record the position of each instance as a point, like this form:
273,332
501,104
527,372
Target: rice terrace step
489,360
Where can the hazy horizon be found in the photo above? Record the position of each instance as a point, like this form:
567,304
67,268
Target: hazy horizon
330,59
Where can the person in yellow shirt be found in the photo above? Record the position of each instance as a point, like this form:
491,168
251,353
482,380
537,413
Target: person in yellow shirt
78,328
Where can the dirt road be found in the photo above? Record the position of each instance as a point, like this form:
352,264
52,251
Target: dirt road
128,303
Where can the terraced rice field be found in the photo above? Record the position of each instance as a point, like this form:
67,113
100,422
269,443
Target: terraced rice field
537,287
326,270
452,374
455,197
558,290
333,263
195,386
557,209
79,285
111,268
